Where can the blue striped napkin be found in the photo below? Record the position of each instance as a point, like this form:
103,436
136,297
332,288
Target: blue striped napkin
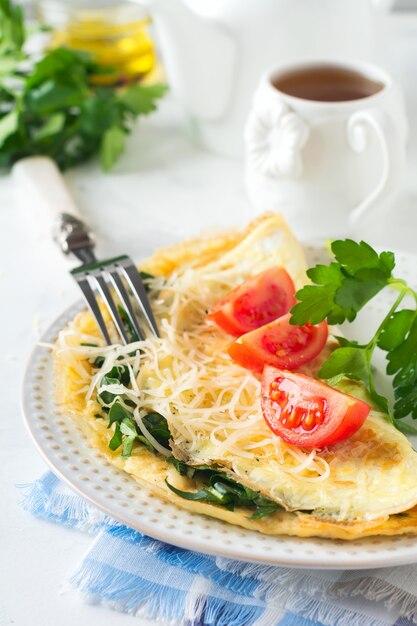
138,575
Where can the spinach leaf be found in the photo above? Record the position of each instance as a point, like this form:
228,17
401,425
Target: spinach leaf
146,443
106,397
145,278
181,467
202,495
218,488
158,428
117,439
131,332
119,374
98,362
117,413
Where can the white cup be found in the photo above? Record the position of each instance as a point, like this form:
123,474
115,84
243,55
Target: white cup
325,164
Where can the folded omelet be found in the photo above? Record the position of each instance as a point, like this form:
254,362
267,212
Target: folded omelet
365,485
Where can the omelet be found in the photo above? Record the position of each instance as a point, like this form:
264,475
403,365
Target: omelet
365,485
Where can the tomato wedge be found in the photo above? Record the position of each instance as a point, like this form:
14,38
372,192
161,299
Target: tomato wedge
280,344
258,301
306,412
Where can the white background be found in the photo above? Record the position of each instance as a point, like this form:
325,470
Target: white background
162,190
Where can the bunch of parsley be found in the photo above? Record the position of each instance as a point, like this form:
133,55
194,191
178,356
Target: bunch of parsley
337,293
53,107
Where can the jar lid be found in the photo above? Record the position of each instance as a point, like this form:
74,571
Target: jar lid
57,13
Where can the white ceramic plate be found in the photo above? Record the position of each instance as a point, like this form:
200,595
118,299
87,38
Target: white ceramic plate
74,460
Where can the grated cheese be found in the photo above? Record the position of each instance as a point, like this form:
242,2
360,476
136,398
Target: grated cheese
211,404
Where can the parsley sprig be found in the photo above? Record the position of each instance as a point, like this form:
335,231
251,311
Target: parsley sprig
337,293
53,106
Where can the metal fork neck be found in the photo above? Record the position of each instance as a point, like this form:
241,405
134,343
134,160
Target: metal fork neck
73,236
85,255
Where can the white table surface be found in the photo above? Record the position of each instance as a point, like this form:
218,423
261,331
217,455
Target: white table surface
162,190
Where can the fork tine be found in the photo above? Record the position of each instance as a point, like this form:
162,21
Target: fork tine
101,272
93,306
125,300
135,282
107,297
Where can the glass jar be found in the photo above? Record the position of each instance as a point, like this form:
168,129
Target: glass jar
116,34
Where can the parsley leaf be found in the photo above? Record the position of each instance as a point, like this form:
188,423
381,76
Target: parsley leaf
395,329
12,27
350,362
317,303
141,100
341,289
357,290
9,124
402,361
111,147
355,257
52,126
337,293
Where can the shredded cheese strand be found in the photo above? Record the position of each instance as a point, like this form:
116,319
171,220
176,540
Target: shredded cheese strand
186,375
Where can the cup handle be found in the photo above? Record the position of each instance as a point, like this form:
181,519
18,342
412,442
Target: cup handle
358,128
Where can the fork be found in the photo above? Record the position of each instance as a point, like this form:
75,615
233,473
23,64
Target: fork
40,178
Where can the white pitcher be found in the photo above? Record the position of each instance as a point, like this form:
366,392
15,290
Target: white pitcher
215,51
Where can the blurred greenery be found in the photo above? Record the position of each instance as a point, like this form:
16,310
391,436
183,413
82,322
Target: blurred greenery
53,107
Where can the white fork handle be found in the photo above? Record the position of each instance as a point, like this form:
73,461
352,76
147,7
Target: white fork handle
43,184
